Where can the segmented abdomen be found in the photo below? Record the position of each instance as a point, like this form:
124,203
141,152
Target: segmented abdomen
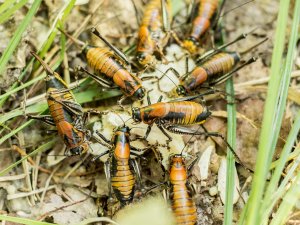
151,26
56,109
182,204
122,180
103,62
220,63
216,66
201,23
152,15
184,112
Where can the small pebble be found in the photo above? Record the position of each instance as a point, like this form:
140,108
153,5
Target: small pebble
11,189
213,191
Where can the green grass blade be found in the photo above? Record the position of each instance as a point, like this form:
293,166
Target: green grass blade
42,148
15,131
5,16
30,82
288,202
272,118
23,220
5,96
291,156
61,17
284,92
273,184
231,138
17,36
6,5
21,87
281,190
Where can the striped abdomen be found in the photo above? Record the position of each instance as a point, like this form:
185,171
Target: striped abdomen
122,180
150,31
182,203
185,112
216,66
201,23
57,91
104,63
152,18
57,110
122,176
64,120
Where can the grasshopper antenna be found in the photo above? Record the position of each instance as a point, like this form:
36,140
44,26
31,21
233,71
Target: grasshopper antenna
77,42
46,67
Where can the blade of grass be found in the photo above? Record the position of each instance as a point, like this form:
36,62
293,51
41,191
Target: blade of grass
288,202
291,156
23,220
273,184
5,16
17,36
284,92
285,81
282,189
5,96
271,124
6,5
42,148
12,89
13,132
60,18
30,82
231,138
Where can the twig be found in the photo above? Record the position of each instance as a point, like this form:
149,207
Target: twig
12,177
42,217
22,194
30,160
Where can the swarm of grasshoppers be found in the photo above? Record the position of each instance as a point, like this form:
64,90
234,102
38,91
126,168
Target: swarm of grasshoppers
111,68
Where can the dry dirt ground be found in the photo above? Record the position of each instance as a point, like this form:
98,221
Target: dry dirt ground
68,190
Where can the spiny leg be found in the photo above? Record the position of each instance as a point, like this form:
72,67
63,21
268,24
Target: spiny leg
155,186
148,131
108,178
137,171
118,53
103,141
165,133
138,155
228,75
190,98
44,118
71,106
102,82
212,52
187,131
100,155
192,164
